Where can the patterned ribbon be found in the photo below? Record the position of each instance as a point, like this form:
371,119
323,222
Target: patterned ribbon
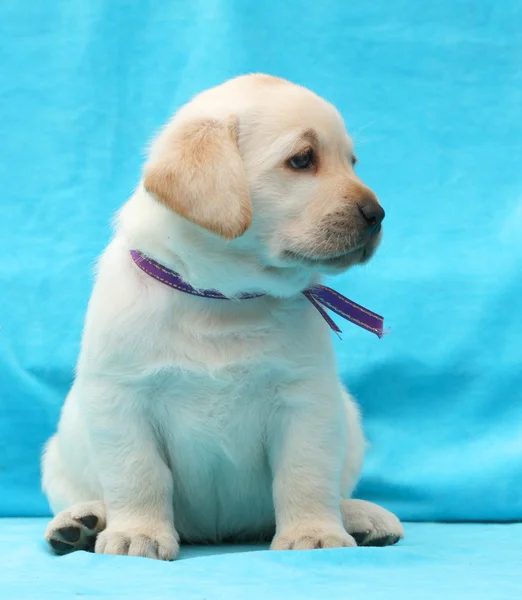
320,296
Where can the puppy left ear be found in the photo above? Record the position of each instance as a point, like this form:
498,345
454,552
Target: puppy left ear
200,175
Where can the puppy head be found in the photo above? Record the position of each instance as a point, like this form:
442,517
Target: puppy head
269,165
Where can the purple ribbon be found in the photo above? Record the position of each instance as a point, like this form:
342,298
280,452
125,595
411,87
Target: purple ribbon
319,295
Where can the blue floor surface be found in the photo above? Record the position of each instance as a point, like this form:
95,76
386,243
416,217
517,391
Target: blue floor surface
435,561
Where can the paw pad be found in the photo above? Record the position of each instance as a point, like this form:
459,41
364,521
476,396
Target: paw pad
89,521
70,534
61,547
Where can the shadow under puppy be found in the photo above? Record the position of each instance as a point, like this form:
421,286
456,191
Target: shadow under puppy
202,420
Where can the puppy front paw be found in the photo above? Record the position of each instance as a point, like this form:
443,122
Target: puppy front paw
310,535
158,543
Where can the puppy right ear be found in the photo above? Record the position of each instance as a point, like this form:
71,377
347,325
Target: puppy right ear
201,176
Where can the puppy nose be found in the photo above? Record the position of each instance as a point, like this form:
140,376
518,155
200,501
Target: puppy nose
373,213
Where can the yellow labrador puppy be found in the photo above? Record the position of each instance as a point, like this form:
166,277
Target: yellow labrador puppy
205,420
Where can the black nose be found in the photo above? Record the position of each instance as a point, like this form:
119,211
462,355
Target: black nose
373,213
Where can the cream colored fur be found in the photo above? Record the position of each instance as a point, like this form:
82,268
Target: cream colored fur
207,420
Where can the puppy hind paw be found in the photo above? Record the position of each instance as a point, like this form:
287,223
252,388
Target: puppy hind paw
76,528
370,524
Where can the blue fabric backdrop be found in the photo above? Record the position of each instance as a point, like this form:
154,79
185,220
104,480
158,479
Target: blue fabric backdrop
433,91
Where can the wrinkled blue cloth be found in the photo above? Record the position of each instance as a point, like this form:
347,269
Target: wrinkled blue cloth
433,94
434,562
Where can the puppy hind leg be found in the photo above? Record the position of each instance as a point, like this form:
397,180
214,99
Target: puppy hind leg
79,513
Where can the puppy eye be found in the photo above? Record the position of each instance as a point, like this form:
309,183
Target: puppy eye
354,160
303,161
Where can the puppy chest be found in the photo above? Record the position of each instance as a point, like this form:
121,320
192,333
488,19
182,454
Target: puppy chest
207,419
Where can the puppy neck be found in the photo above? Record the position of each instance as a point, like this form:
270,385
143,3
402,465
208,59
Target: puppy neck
202,259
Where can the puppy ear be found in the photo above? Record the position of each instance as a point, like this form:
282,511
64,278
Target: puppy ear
200,175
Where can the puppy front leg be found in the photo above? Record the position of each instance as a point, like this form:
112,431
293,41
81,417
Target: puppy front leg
307,445
136,482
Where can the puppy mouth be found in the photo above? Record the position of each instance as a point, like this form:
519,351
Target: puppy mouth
334,262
